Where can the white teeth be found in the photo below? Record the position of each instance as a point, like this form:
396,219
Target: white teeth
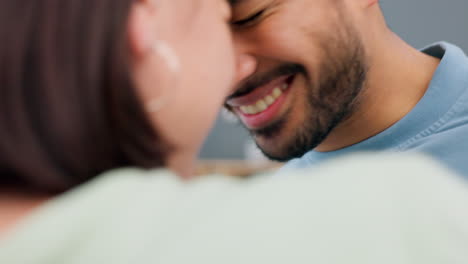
262,104
269,100
244,109
248,109
252,109
277,92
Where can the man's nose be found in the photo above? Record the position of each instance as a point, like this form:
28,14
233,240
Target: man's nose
246,66
246,62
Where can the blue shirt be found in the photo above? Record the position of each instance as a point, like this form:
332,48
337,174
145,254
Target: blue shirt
437,125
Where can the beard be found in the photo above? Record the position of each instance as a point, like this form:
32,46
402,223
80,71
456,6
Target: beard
331,97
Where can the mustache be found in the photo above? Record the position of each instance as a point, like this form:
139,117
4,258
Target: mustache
256,80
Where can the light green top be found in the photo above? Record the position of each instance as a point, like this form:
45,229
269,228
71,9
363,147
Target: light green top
381,209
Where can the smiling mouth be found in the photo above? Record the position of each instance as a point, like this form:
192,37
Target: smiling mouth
264,103
264,97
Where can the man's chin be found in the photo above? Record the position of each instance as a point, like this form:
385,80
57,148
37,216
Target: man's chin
270,132
273,141
274,151
275,147
282,144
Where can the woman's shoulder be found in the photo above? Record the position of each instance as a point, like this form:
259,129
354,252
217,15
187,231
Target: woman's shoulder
77,215
377,202
112,213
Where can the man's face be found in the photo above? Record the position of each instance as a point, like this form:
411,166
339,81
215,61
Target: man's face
311,68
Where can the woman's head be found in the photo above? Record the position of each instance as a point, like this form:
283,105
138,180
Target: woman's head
79,78
182,97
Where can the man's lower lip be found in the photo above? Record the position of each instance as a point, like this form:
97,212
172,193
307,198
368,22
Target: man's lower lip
264,118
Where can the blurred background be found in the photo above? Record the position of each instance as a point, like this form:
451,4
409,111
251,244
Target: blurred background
419,22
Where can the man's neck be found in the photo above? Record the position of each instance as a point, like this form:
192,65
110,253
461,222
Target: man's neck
398,78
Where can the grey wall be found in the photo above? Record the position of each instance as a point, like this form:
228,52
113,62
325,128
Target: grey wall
419,22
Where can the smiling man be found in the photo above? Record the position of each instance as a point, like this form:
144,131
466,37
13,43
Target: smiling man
331,78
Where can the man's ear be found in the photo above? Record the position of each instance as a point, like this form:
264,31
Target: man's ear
141,27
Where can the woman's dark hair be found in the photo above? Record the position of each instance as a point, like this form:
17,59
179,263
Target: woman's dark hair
68,106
